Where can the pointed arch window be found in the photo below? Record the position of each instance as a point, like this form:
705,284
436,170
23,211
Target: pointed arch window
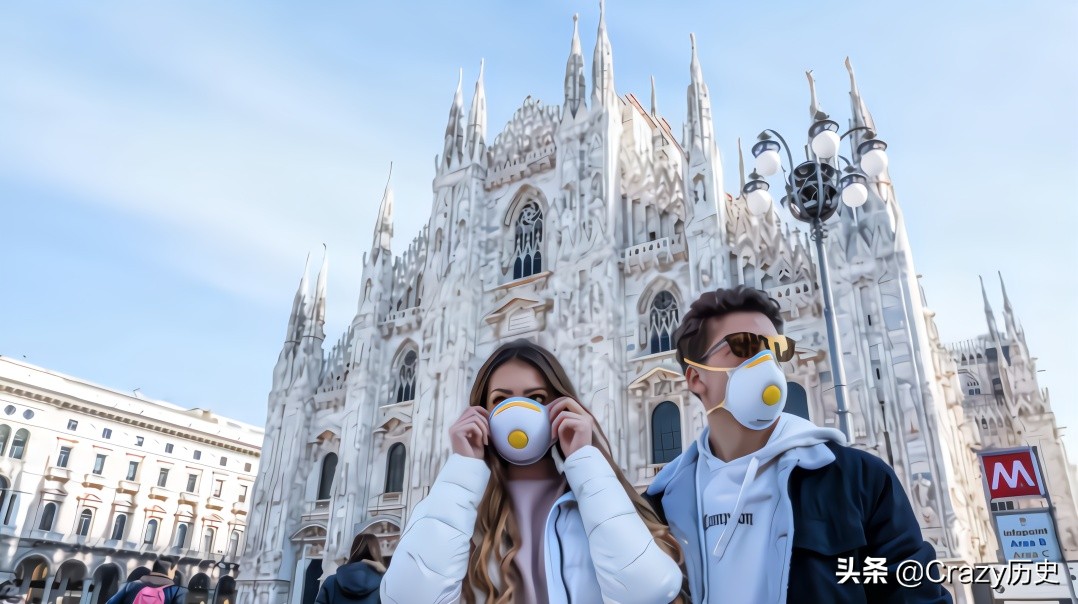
5,433
665,433
118,527
527,241
86,518
18,444
797,400
48,516
406,377
329,470
395,469
663,321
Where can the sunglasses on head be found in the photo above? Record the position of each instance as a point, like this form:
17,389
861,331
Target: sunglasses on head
744,344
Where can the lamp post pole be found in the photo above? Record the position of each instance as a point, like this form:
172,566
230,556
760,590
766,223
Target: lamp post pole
814,189
834,343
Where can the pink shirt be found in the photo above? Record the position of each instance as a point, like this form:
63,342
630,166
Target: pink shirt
532,500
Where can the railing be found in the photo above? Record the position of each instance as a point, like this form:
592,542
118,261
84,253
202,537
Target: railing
663,250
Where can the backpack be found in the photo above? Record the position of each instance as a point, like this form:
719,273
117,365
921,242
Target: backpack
153,595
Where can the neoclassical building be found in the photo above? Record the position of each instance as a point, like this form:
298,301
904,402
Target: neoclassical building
95,484
588,227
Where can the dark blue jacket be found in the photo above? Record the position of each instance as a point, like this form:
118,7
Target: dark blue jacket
355,583
853,507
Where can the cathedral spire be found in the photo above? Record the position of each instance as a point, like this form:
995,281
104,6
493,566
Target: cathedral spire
318,313
318,310
699,124
861,116
602,66
574,74
989,315
454,130
654,103
815,111
477,119
741,166
297,320
1013,330
383,230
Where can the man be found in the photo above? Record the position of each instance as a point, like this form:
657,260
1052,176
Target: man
158,581
768,507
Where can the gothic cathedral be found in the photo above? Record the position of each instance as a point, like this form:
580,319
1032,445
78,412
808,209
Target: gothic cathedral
588,227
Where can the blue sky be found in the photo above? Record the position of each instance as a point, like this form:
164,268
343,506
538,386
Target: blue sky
165,168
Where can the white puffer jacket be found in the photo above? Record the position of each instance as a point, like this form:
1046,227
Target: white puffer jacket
625,565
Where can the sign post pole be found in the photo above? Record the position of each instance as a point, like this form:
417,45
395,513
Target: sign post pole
1065,568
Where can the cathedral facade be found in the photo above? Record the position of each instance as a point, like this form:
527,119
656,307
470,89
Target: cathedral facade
588,227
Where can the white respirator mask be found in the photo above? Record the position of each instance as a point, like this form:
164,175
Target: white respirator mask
520,430
755,390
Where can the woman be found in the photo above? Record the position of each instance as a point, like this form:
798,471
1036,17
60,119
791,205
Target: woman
549,531
357,581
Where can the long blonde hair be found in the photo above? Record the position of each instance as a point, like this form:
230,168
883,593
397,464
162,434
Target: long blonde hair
495,527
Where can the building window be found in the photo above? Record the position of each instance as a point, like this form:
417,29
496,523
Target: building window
665,432
132,470
527,242
99,464
139,440
48,516
5,433
224,461
168,448
86,518
118,527
192,480
219,485
181,534
797,400
395,469
198,454
247,467
63,457
72,425
329,470
18,444
151,532
106,433
663,322
234,544
406,377
162,477
243,493
10,410
207,541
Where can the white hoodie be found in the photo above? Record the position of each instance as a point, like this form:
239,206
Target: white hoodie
747,519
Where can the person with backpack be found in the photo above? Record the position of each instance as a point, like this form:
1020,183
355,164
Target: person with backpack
154,588
358,581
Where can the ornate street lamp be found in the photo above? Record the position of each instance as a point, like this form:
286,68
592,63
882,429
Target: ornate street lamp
814,189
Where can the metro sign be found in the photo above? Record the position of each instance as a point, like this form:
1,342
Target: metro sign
1011,473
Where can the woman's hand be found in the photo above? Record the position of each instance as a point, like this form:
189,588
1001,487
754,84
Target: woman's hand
570,424
470,434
